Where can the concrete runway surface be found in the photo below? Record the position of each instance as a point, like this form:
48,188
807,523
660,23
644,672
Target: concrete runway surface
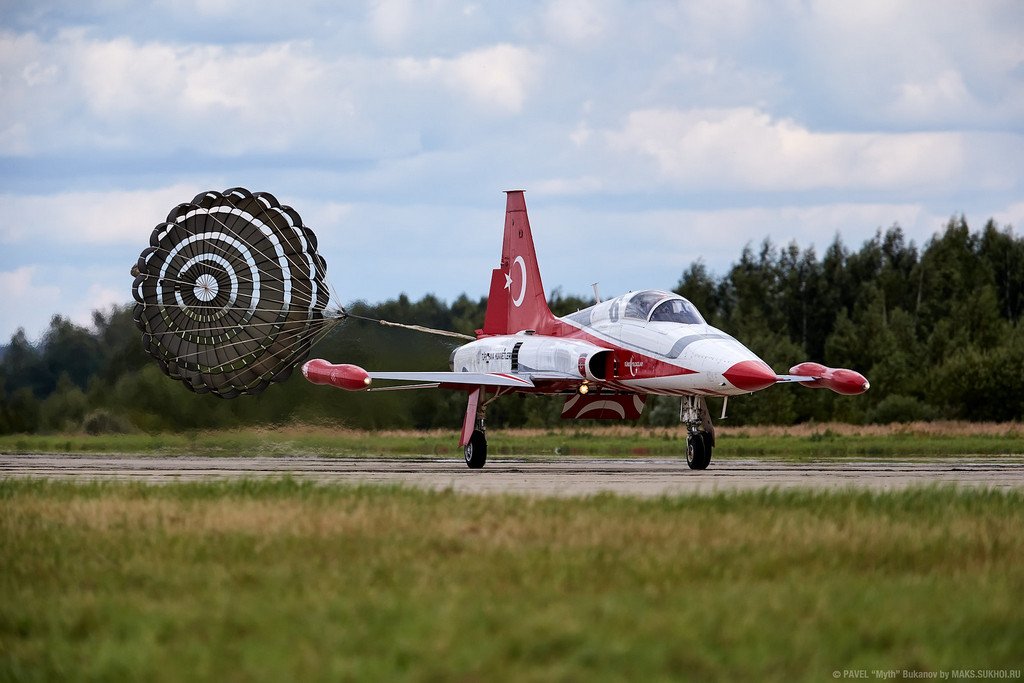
556,476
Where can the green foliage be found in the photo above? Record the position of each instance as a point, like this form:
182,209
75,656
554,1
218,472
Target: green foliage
934,329
937,330
984,384
591,439
896,408
20,412
64,409
102,421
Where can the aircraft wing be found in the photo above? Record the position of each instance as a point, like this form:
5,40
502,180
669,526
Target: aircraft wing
469,379
355,378
553,376
795,378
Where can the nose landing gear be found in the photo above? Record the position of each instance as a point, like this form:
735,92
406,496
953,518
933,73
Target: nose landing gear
698,450
693,412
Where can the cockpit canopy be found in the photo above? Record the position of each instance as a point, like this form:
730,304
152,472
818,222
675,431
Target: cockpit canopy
655,305
649,305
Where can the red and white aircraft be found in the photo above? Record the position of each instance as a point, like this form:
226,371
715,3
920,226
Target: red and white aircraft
605,359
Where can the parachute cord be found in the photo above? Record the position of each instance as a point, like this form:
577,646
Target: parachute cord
415,328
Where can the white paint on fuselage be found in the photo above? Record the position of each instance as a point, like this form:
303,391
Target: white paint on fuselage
703,350
525,353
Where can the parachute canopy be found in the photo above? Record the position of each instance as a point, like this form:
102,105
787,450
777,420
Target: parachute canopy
231,293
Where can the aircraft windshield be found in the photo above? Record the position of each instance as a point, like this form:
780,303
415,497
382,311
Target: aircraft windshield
677,311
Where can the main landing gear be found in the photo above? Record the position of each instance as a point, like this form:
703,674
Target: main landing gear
700,442
476,450
476,445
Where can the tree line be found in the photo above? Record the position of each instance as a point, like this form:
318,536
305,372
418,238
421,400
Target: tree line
937,330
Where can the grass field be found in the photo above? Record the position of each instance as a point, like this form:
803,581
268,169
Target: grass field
804,441
285,581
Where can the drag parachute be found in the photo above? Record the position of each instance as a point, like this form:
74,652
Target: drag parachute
231,293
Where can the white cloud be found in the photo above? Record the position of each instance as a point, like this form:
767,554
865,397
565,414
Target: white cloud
943,91
74,92
747,148
15,140
856,62
262,93
629,250
582,134
392,126
98,297
37,74
328,215
1012,215
582,185
68,218
27,302
888,61
712,81
576,22
18,284
391,21
708,24
497,77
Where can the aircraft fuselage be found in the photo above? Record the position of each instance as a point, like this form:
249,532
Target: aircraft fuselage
623,344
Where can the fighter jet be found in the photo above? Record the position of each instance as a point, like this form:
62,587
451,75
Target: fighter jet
605,359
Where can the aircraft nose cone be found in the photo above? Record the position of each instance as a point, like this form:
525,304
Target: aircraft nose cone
750,375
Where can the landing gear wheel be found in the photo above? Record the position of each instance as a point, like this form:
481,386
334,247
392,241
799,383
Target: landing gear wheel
698,451
476,450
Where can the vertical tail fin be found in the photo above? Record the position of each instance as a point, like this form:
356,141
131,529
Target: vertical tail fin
516,301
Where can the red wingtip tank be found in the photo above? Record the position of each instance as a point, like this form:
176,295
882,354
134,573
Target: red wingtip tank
839,380
343,376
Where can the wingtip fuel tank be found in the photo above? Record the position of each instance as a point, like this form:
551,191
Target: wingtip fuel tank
839,380
343,375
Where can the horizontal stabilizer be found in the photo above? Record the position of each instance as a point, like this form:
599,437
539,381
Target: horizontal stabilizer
603,407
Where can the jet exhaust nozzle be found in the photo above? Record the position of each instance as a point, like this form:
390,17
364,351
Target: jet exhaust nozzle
839,380
343,376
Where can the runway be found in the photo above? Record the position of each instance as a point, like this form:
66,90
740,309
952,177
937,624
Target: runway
558,476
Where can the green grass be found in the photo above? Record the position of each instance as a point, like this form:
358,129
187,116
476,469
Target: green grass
591,441
277,580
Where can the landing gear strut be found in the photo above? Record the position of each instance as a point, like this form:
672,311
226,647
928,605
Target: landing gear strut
700,440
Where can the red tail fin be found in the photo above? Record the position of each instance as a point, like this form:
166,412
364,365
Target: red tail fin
516,301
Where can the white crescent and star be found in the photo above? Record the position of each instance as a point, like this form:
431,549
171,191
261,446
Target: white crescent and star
518,301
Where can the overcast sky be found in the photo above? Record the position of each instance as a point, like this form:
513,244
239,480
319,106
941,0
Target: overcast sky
646,134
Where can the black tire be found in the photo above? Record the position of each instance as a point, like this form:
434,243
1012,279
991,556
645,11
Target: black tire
476,450
698,451
709,446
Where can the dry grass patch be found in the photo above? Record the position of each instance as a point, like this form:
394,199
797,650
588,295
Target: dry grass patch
945,428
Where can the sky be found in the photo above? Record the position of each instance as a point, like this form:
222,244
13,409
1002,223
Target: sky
646,134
